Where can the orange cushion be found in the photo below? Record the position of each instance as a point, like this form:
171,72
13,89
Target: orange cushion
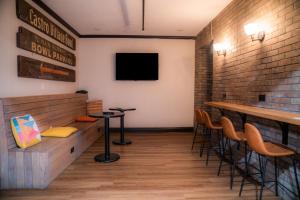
85,119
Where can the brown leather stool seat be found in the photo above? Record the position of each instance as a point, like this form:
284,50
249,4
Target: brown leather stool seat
211,128
268,149
231,134
277,150
199,121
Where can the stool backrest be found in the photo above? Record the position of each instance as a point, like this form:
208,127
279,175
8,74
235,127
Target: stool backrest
207,120
254,139
228,129
198,116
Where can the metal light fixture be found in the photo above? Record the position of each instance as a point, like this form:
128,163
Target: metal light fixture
222,48
143,15
255,31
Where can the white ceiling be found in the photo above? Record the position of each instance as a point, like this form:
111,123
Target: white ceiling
124,17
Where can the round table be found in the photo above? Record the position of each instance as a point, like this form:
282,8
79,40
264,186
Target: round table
122,140
107,157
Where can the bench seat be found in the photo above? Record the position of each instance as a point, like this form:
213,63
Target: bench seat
36,166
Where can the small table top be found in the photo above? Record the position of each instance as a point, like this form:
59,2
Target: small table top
122,109
277,115
106,114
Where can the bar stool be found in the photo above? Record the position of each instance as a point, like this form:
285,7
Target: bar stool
231,134
199,122
271,150
211,128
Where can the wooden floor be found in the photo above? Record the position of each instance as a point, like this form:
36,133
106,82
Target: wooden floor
156,166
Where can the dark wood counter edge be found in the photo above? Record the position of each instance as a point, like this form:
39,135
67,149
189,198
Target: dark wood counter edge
282,122
278,117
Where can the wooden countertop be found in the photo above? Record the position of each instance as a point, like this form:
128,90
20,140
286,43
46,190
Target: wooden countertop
277,115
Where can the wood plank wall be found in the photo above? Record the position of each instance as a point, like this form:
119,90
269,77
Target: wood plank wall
48,110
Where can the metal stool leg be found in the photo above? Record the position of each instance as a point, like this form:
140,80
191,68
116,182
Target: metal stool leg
296,177
222,158
209,147
202,145
246,167
262,173
195,135
231,165
276,174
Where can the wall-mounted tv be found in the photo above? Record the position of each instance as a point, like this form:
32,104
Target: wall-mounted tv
136,66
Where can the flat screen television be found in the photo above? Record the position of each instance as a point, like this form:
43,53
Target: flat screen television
136,66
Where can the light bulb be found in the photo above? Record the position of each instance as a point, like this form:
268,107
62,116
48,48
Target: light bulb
251,29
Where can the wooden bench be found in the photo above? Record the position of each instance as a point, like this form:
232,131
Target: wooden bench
37,166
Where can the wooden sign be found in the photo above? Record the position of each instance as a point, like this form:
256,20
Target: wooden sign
31,68
32,42
35,18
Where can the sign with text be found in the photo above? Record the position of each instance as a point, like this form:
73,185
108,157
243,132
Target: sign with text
32,42
31,68
35,18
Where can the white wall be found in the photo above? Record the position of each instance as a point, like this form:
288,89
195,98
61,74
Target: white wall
10,83
167,102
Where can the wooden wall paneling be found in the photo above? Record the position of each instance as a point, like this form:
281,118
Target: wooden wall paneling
20,169
25,107
36,179
87,138
12,172
42,112
39,98
94,106
59,154
44,162
3,150
28,169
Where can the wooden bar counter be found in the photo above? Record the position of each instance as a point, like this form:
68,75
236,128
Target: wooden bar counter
282,117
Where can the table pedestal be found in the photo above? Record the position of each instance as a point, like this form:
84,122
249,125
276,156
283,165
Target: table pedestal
122,140
111,158
107,157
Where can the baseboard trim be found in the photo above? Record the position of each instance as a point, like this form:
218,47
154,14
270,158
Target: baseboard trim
158,129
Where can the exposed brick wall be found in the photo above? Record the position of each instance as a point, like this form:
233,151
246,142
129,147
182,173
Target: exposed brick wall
270,67
203,78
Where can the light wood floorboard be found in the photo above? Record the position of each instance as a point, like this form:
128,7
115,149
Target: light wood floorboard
156,166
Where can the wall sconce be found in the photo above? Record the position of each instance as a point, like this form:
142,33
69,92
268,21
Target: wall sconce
255,31
222,48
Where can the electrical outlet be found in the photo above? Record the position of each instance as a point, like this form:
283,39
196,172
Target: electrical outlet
262,97
224,96
72,150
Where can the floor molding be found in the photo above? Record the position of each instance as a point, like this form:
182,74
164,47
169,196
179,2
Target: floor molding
158,129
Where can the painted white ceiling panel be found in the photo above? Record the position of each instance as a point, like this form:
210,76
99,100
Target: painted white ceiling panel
124,17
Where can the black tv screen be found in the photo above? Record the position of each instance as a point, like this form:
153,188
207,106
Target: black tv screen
136,66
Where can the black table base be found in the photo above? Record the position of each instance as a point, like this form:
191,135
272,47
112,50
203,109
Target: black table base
120,142
107,159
